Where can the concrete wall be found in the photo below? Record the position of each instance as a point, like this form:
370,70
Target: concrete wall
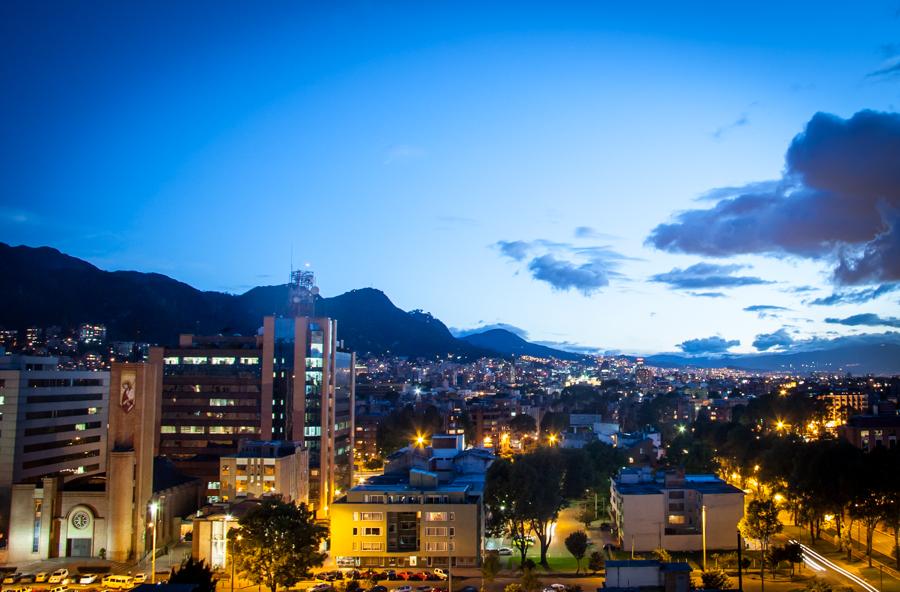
632,576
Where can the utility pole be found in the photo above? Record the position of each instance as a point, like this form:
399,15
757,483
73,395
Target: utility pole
703,522
154,509
740,546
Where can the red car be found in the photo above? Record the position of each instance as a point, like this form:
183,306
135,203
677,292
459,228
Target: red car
405,575
422,576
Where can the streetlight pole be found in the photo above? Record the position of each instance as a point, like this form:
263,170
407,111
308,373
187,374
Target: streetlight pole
703,521
154,509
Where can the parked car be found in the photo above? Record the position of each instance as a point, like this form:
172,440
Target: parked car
41,577
406,588
422,576
390,574
440,573
26,579
59,576
404,575
424,589
378,589
555,588
117,582
468,589
12,578
323,576
140,578
353,574
320,588
371,574
504,551
87,578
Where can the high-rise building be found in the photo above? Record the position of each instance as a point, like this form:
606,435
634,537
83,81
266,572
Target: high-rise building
52,423
292,382
92,333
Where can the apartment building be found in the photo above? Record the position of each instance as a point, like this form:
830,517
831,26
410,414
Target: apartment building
425,511
666,510
264,468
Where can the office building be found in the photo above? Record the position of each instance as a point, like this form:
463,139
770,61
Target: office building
264,468
666,511
425,511
52,423
868,432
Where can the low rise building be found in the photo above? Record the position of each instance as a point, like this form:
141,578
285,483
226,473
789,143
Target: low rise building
425,511
868,432
264,468
666,510
648,575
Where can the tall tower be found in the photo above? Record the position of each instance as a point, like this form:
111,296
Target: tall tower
303,292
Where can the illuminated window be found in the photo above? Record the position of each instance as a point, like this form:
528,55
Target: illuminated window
167,429
676,519
191,429
194,359
221,429
216,361
171,360
249,360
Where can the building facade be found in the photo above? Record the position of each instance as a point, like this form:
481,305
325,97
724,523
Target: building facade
52,423
425,511
667,511
264,468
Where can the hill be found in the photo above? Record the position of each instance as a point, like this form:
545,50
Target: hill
508,343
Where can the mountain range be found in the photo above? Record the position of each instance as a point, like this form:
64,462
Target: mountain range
43,287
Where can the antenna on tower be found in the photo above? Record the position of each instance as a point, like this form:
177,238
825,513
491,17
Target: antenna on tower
303,292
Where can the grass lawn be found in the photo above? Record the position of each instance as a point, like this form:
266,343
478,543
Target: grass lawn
557,564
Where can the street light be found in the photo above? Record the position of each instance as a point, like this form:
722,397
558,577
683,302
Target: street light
225,535
237,538
154,510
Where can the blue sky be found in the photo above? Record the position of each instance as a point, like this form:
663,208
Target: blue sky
507,163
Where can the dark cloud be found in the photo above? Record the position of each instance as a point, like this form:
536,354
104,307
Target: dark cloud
854,296
866,320
707,275
707,294
767,341
837,201
566,266
707,345
763,308
457,332
516,250
587,278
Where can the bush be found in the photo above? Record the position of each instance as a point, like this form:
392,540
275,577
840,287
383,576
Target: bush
596,562
662,555
514,587
715,579
817,585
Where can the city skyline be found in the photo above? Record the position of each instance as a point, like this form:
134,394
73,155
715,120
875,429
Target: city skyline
587,175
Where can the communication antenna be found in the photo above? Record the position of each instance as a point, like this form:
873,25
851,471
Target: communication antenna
303,291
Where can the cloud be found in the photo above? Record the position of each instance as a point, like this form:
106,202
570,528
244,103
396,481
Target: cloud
866,320
587,278
707,275
725,129
707,345
720,193
707,294
515,250
854,296
888,69
837,201
763,308
569,346
767,341
563,265
588,232
457,332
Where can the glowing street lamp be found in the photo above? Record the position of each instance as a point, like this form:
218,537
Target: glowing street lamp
154,510
552,438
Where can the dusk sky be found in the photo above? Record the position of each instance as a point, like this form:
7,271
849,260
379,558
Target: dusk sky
638,176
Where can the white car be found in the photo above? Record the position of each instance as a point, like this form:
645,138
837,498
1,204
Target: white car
59,576
140,578
87,579
555,588
41,577
403,589
439,573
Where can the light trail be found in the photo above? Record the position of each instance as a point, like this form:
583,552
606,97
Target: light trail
820,559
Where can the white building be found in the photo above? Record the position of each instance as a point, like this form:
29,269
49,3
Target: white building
52,423
666,511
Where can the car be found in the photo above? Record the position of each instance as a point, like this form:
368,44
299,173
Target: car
58,576
140,578
440,573
390,574
406,588
378,589
424,589
353,574
26,579
12,578
41,577
468,589
405,575
422,576
555,588
320,588
504,551
371,574
118,582
337,575
87,579
323,576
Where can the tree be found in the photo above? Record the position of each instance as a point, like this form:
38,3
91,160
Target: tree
761,523
522,424
793,553
596,561
277,543
530,582
715,579
577,544
544,500
507,495
662,555
587,516
490,566
194,572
